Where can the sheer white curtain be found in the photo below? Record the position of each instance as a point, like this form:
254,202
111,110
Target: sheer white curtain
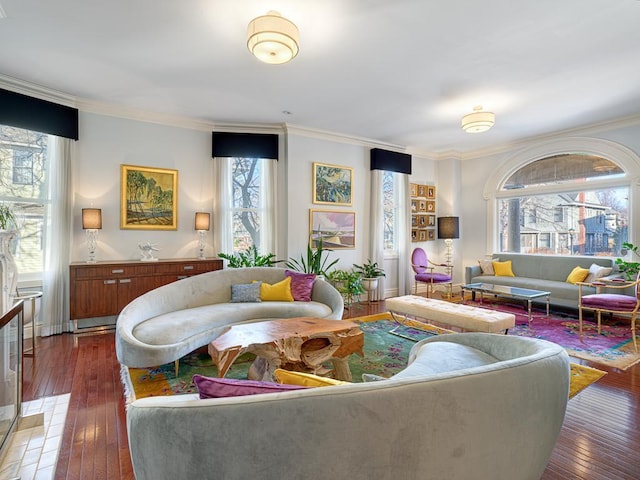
376,238
269,192
55,284
222,204
405,274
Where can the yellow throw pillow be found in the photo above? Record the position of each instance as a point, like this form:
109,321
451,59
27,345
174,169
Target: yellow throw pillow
304,379
503,269
578,274
278,292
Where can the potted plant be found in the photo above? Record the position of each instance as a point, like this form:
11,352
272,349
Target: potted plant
629,269
314,262
249,258
7,217
348,283
370,272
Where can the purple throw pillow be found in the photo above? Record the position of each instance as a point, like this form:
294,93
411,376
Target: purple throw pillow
228,387
301,285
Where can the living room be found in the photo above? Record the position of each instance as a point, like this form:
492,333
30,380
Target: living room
118,129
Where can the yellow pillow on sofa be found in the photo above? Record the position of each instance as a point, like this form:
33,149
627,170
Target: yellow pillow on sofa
304,379
503,269
278,292
578,274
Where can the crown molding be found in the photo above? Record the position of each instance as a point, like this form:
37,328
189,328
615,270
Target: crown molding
36,91
339,137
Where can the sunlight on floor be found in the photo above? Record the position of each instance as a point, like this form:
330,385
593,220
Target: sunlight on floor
33,452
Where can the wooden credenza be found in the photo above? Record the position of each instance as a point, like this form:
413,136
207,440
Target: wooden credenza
104,288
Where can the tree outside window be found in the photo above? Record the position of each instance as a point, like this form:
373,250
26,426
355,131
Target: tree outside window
248,202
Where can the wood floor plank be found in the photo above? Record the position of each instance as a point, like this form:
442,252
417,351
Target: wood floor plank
600,438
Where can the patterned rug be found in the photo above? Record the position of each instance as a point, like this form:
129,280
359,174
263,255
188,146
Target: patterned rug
613,347
384,354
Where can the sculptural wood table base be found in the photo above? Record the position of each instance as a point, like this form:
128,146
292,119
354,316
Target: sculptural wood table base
300,344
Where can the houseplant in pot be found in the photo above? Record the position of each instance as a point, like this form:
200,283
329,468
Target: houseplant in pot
313,262
370,272
348,283
249,258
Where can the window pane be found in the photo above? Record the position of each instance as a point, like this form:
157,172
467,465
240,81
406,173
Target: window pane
389,198
563,168
23,185
584,223
247,202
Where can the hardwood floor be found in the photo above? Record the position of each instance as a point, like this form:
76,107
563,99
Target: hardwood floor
600,439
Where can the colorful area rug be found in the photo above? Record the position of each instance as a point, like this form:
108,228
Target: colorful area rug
613,347
384,354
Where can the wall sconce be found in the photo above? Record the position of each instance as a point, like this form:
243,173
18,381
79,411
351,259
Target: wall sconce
448,229
91,223
202,225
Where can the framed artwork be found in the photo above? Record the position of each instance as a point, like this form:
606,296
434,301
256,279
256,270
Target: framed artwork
431,234
431,206
148,198
422,235
414,235
413,187
336,229
422,221
431,191
422,206
414,220
332,184
431,220
422,190
414,206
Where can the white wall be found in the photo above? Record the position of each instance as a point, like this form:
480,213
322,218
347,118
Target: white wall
105,143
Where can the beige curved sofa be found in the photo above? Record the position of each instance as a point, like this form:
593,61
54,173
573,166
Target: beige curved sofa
169,322
468,406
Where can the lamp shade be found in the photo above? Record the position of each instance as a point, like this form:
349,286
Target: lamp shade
478,121
202,221
448,227
91,219
272,38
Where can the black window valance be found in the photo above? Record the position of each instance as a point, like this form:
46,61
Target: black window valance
32,113
250,145
390,161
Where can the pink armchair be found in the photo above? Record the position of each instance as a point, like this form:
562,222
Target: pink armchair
615,303
424,270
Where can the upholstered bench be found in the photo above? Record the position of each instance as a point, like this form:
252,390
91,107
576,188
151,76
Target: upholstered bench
465,317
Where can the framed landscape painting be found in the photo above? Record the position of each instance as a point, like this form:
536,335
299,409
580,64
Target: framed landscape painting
148,198
335,229
332,184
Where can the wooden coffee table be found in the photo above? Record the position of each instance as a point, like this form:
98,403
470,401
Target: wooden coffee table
301,344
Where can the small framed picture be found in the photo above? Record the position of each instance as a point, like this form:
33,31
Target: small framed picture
413,187
414,220
414,235
430,206
431,220
431,234
422,235
422,190
431,191
422,221
414,206
422,205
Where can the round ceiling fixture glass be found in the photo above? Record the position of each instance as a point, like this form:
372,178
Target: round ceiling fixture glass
272,38
478,121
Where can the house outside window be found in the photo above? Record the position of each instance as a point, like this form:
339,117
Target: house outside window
550,206
23,186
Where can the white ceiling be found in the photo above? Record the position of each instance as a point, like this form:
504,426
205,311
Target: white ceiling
397,71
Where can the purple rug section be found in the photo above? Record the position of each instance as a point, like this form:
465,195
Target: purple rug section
563,328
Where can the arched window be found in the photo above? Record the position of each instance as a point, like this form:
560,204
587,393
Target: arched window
571,202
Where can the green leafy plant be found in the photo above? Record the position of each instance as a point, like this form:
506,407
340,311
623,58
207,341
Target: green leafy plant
369,269
7,217
348,283
249,258
630,269
314,262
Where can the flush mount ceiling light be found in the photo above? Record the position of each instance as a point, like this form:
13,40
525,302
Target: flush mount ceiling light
478,121
272,38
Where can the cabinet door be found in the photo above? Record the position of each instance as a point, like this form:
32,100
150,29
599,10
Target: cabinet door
131,288
94,298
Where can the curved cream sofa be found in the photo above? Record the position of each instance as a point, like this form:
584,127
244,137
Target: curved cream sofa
169,322
468,406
